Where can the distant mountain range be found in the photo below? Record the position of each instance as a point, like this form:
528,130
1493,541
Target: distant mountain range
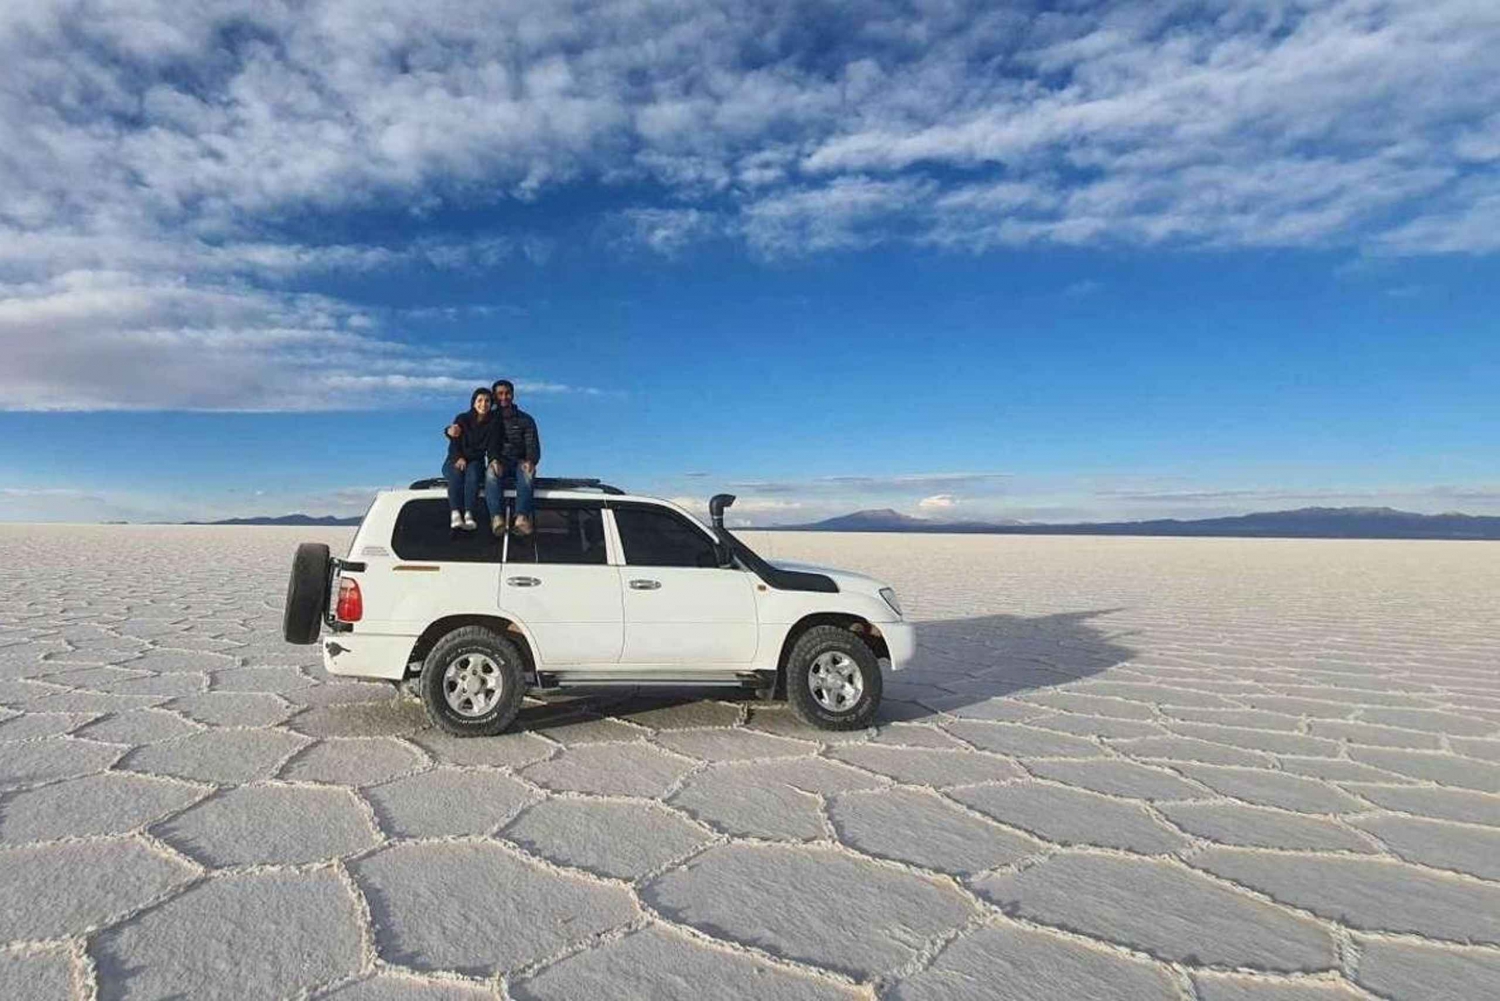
1303,523
303,520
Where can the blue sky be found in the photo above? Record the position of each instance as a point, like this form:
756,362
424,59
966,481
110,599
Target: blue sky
1048,262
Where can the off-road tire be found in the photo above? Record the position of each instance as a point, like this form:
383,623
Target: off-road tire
306,594
472,640
814,643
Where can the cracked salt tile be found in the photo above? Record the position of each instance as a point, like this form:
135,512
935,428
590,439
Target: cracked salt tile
1444,769
1243,719
391,718
1008,963
166,685
447,801
664,966
1268,788
1313,708
768,800
732,745
353,761
1486,750
1256,826
1116,778
779,720
94,703
1432,720
47,758
30,725
581,729
402,987
508,750
1164,910
1366,893
813,904
139,726
427,900
1160,695
1072,816
254,935
1214,987
997,710
623,840
274,680
920,766
1011,738
41,976
173,661
1376,736
1097,726
333,693
269,825
1439,843
680,714
99,679
897,734
1274,742
1336,770
922,828
610,770
1190,749
53,891
232,709
1093,705
1431,973
109,803
225,756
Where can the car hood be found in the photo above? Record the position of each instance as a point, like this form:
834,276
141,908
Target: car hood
847,580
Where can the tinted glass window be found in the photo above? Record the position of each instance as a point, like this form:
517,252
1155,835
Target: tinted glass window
658,538
561,535
422,533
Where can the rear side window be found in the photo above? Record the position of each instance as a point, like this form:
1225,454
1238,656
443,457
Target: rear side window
561,535
422,533
654,537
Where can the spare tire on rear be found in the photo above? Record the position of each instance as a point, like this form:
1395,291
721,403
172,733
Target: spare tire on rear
306,594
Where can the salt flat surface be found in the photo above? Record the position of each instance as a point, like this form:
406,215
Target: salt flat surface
1201,770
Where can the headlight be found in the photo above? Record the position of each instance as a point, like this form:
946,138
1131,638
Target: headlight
889,595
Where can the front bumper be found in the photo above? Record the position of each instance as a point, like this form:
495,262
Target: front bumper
901,640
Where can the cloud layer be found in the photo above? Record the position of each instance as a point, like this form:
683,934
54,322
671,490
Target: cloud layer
164,164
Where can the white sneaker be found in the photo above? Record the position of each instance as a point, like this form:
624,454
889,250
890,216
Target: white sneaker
497,525
456,520
469,523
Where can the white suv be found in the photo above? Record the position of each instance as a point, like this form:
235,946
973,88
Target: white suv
609,589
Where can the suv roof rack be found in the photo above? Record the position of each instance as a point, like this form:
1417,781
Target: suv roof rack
540,483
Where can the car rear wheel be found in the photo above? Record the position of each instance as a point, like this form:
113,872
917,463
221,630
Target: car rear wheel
472,682
833,679
306,594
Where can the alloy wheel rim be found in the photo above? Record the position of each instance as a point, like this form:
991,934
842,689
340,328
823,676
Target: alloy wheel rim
472,685
835,681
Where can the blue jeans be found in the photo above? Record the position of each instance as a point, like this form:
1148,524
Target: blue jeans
463,485
510,469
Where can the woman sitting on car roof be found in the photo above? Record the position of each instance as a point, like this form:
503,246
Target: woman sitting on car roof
464,467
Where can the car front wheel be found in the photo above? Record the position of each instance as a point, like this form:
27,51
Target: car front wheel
472,682
833,679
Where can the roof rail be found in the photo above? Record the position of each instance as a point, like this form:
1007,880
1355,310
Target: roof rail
540,483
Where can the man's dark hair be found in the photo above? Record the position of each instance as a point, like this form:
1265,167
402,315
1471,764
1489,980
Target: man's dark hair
506,383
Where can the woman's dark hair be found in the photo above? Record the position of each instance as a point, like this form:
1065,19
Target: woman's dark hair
481,391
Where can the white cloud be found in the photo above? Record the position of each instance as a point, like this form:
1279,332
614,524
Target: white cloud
157,156
938,502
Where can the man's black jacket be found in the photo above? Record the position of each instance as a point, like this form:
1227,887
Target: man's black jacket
517,437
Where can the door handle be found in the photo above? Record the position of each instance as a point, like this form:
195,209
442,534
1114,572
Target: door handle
641,584
524,581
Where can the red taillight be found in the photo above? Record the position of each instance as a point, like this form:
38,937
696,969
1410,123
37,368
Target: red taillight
351,606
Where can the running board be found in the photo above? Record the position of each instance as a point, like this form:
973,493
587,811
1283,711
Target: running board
675,679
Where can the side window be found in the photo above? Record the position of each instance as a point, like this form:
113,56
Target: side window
561,535
660,538
422,533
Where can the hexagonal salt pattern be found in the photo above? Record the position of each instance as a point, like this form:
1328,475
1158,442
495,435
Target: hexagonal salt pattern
1117,769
